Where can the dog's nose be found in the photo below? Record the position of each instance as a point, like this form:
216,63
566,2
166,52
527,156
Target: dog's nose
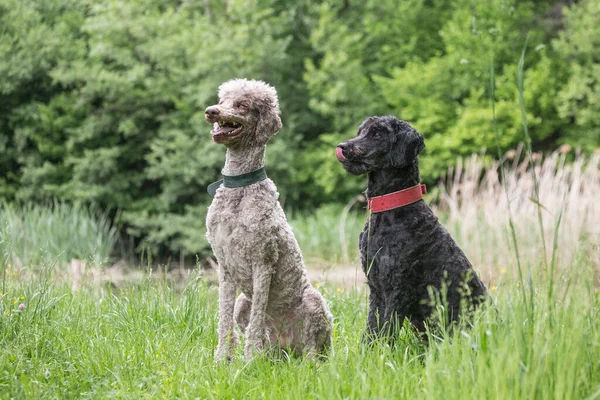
212,111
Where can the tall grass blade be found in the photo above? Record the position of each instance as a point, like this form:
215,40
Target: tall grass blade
503,174
529,149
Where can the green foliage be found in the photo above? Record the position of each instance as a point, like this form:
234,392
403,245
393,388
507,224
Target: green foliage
579,99
34,38
102,102
441,84
124,127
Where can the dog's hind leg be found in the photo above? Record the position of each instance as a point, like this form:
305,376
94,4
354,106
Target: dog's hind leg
241,313
392,322
317,323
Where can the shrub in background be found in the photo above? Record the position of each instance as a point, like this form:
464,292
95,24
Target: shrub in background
102,102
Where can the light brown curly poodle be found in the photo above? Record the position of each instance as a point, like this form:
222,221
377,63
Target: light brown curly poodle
255,248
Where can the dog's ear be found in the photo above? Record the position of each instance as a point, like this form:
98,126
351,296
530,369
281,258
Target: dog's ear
269,124
408,145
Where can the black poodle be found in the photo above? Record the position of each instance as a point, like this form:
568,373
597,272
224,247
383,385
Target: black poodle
410,260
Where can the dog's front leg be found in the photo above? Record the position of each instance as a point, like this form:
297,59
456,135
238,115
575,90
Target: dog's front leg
226,334
374,317
257,329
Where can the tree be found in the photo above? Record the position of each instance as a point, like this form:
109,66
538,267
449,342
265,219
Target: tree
579,100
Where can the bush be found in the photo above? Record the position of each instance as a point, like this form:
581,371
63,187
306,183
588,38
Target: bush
102,102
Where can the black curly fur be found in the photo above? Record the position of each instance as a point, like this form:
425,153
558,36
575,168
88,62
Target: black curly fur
405,252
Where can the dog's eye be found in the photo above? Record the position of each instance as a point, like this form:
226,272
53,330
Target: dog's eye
241,104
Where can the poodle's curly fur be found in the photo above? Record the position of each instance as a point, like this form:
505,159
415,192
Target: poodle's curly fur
406,254
255,248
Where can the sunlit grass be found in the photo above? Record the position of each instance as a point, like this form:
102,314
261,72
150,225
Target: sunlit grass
154,340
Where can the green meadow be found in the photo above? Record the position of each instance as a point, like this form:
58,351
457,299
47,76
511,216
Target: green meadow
66,332
153,340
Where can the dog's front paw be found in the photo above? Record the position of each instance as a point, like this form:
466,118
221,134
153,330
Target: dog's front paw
222,354
252,348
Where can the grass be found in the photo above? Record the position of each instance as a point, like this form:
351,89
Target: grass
60,231
150,341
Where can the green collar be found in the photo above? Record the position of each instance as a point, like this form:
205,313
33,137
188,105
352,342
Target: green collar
234,181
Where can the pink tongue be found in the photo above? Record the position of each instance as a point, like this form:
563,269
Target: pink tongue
221,131
339,154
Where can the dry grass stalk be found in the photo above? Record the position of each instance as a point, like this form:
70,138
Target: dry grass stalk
477,213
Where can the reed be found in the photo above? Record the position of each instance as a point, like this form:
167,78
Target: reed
475,211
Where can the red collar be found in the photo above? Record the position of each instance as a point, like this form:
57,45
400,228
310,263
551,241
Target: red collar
397,199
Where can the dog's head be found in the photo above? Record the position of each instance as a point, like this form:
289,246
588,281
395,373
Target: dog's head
247,113
381,142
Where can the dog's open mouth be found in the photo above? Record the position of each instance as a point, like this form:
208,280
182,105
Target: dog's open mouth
226,129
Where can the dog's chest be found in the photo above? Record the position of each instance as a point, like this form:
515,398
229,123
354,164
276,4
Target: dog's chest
385,246
228,227
241,229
